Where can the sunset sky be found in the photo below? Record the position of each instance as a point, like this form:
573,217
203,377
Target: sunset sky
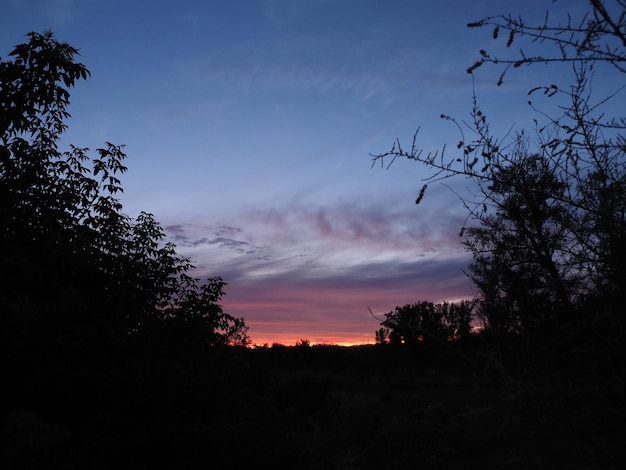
249,127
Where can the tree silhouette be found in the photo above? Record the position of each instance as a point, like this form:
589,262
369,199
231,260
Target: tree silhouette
427,324
76,270
381,335
598,37
547,211
521,250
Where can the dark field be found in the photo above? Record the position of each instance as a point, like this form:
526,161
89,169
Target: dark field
320,407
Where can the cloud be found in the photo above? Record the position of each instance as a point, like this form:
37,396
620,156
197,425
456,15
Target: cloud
185,237
281,13
314,270
366,65
237,246
336,309
175,229
57,12
279,241
225,231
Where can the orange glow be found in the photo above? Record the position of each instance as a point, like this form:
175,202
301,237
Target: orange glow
292,340
323,314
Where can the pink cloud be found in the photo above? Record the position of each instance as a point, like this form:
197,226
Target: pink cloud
312,272
283,310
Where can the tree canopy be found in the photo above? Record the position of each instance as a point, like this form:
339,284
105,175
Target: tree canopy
546,222
76,269
427,323
599,35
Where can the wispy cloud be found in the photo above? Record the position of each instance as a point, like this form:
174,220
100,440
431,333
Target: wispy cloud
48,14
281,13
321,237
220,237
367,67
309,267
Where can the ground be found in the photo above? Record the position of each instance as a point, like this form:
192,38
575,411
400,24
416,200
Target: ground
314,408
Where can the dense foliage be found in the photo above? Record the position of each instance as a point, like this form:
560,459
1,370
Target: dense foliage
547,208
77,273
427,324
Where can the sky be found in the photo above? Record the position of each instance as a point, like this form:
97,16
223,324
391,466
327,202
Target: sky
249,128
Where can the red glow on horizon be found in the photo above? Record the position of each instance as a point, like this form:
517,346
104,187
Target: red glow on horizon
279,314
290,340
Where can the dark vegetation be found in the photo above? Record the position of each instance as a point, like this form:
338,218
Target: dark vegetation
546,222
114,356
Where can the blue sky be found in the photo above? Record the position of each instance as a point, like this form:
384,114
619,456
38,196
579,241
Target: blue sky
249,124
